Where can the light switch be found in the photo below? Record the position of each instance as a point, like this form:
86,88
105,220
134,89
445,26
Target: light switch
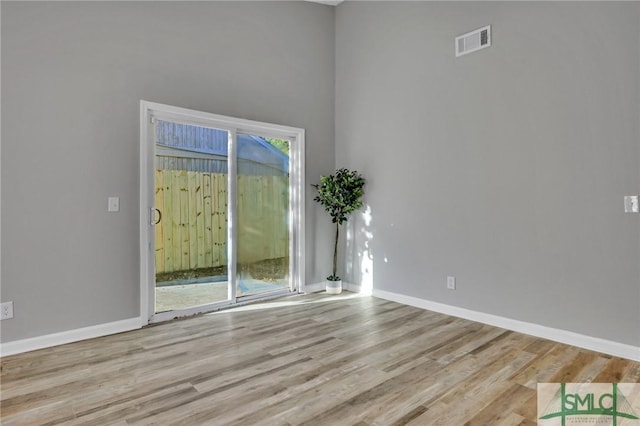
631,204
113,204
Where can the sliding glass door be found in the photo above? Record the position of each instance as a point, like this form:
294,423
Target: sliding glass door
191,208
224,200
263,215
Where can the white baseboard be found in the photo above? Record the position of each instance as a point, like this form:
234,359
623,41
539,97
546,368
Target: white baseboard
354,288
563,336
314,287
55,339
557,335
317,287
61,338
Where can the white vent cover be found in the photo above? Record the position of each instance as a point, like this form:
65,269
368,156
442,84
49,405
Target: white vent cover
474,40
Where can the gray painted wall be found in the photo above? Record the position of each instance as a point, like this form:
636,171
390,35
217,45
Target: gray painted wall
505,168
72,78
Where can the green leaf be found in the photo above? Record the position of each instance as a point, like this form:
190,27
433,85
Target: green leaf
340,194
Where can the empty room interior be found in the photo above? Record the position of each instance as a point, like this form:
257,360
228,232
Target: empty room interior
166,253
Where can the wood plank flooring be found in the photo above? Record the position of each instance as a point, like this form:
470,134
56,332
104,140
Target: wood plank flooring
303,360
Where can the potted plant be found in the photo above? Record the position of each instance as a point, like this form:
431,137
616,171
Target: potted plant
340,194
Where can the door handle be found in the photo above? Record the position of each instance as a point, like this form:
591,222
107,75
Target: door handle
153,215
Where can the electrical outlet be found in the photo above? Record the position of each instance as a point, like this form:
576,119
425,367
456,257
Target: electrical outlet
451,283
6,310
631,204
113,204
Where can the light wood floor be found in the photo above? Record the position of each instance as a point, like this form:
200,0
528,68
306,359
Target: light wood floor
313,360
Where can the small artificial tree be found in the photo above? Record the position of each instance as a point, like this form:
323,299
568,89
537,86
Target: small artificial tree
340,194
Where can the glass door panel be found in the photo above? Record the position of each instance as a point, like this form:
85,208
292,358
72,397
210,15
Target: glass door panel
263,215
191,189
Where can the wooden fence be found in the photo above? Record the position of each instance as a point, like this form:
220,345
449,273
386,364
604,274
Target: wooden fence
192,233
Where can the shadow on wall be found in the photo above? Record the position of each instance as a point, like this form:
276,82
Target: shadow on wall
359,250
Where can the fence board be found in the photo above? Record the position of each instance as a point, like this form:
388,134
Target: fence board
159,231
175,222
193,231
192,220
167,230
184,218
199,220
208,212
220,230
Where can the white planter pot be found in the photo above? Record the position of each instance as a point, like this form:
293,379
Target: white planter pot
334,287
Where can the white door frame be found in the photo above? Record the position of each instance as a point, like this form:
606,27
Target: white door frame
151,110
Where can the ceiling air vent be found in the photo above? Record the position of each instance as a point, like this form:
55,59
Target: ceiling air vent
474,40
